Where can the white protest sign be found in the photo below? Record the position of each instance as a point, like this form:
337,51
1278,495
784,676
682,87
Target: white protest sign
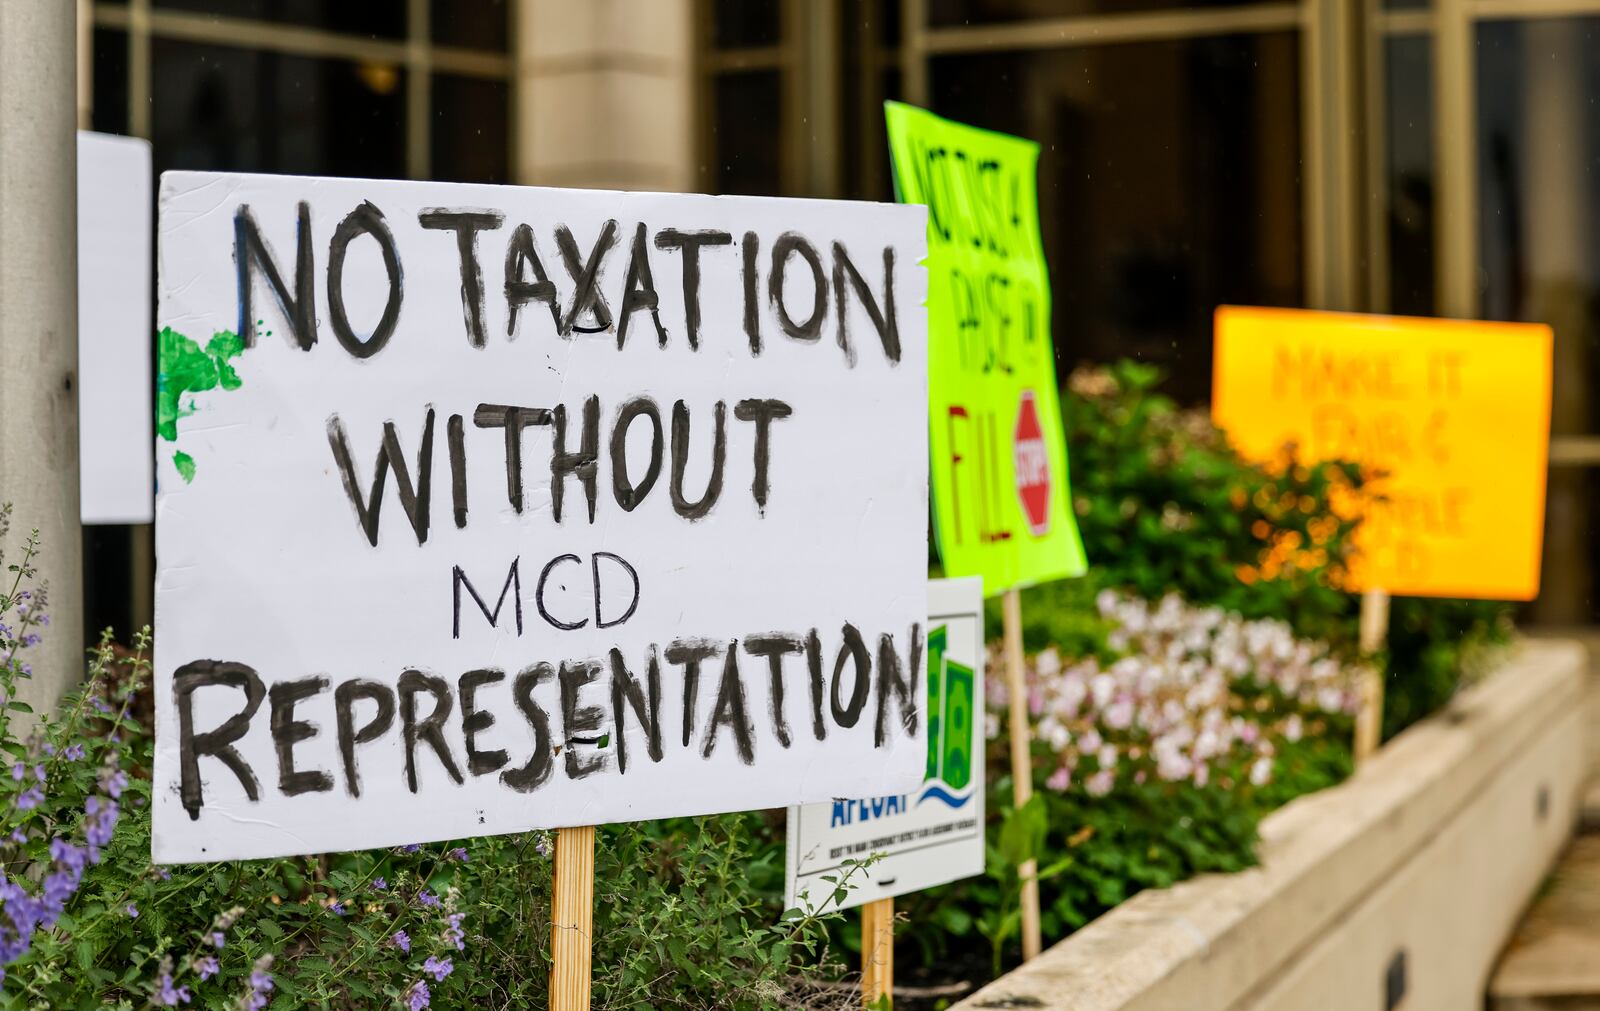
933,834
114,461
502,508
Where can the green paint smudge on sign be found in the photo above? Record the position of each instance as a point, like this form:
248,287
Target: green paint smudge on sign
186,368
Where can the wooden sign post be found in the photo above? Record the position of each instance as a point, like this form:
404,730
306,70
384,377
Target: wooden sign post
1374,632
1021,763
877,951
572,919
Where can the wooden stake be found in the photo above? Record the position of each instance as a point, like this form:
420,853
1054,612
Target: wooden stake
877,951
1374,632
572,919
1021,763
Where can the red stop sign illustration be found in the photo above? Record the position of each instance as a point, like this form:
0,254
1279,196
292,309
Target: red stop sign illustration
1032,465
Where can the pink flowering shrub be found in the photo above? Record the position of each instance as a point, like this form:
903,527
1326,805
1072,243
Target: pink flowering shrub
1159,743
1194,690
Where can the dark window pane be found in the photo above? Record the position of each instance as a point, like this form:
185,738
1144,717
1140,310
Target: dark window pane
950,13
473,24
244,110
743,23
1168,184
1407,4
109,112
1408,147
471,117
745,133
869,76
1538,135
383,18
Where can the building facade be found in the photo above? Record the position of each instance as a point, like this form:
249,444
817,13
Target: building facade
1414,156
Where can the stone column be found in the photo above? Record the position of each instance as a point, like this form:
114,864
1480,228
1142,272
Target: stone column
604,94
1552,167
39,320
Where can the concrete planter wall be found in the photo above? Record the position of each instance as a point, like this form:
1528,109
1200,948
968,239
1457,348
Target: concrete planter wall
1395,889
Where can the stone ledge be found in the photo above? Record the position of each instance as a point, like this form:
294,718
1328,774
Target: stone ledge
1219,941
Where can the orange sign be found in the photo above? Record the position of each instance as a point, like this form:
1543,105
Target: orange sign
1457,414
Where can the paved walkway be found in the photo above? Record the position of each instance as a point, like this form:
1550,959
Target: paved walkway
1553,960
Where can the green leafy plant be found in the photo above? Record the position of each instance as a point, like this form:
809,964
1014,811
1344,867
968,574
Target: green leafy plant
1023,836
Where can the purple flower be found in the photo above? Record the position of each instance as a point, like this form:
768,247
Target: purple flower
133,911
454,933
38,773
99,822
427,899
67,855
417,997
216,939
336,907
18,771
207,967
260,985
73,752
112,781
438,968
410,847
169,995
459,853
402,940
380,885
543,846
30,798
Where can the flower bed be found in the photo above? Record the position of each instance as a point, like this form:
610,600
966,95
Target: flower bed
1164,732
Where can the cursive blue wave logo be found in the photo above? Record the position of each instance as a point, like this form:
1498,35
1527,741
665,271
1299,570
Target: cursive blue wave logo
936,791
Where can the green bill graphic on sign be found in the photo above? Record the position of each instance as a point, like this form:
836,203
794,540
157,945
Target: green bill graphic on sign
950,708
998,463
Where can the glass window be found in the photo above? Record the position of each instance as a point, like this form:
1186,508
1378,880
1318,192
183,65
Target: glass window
470,24
216,107
385,19
1539,192
1538,135
952,13
1408,149
469,129
1168,184
109,86
742,24
746,133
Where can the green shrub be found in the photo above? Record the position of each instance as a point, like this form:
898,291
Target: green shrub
1165,504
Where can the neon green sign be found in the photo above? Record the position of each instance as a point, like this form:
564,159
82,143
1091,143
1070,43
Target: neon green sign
998,463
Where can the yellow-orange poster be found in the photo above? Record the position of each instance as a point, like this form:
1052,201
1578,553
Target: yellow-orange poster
1456,413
